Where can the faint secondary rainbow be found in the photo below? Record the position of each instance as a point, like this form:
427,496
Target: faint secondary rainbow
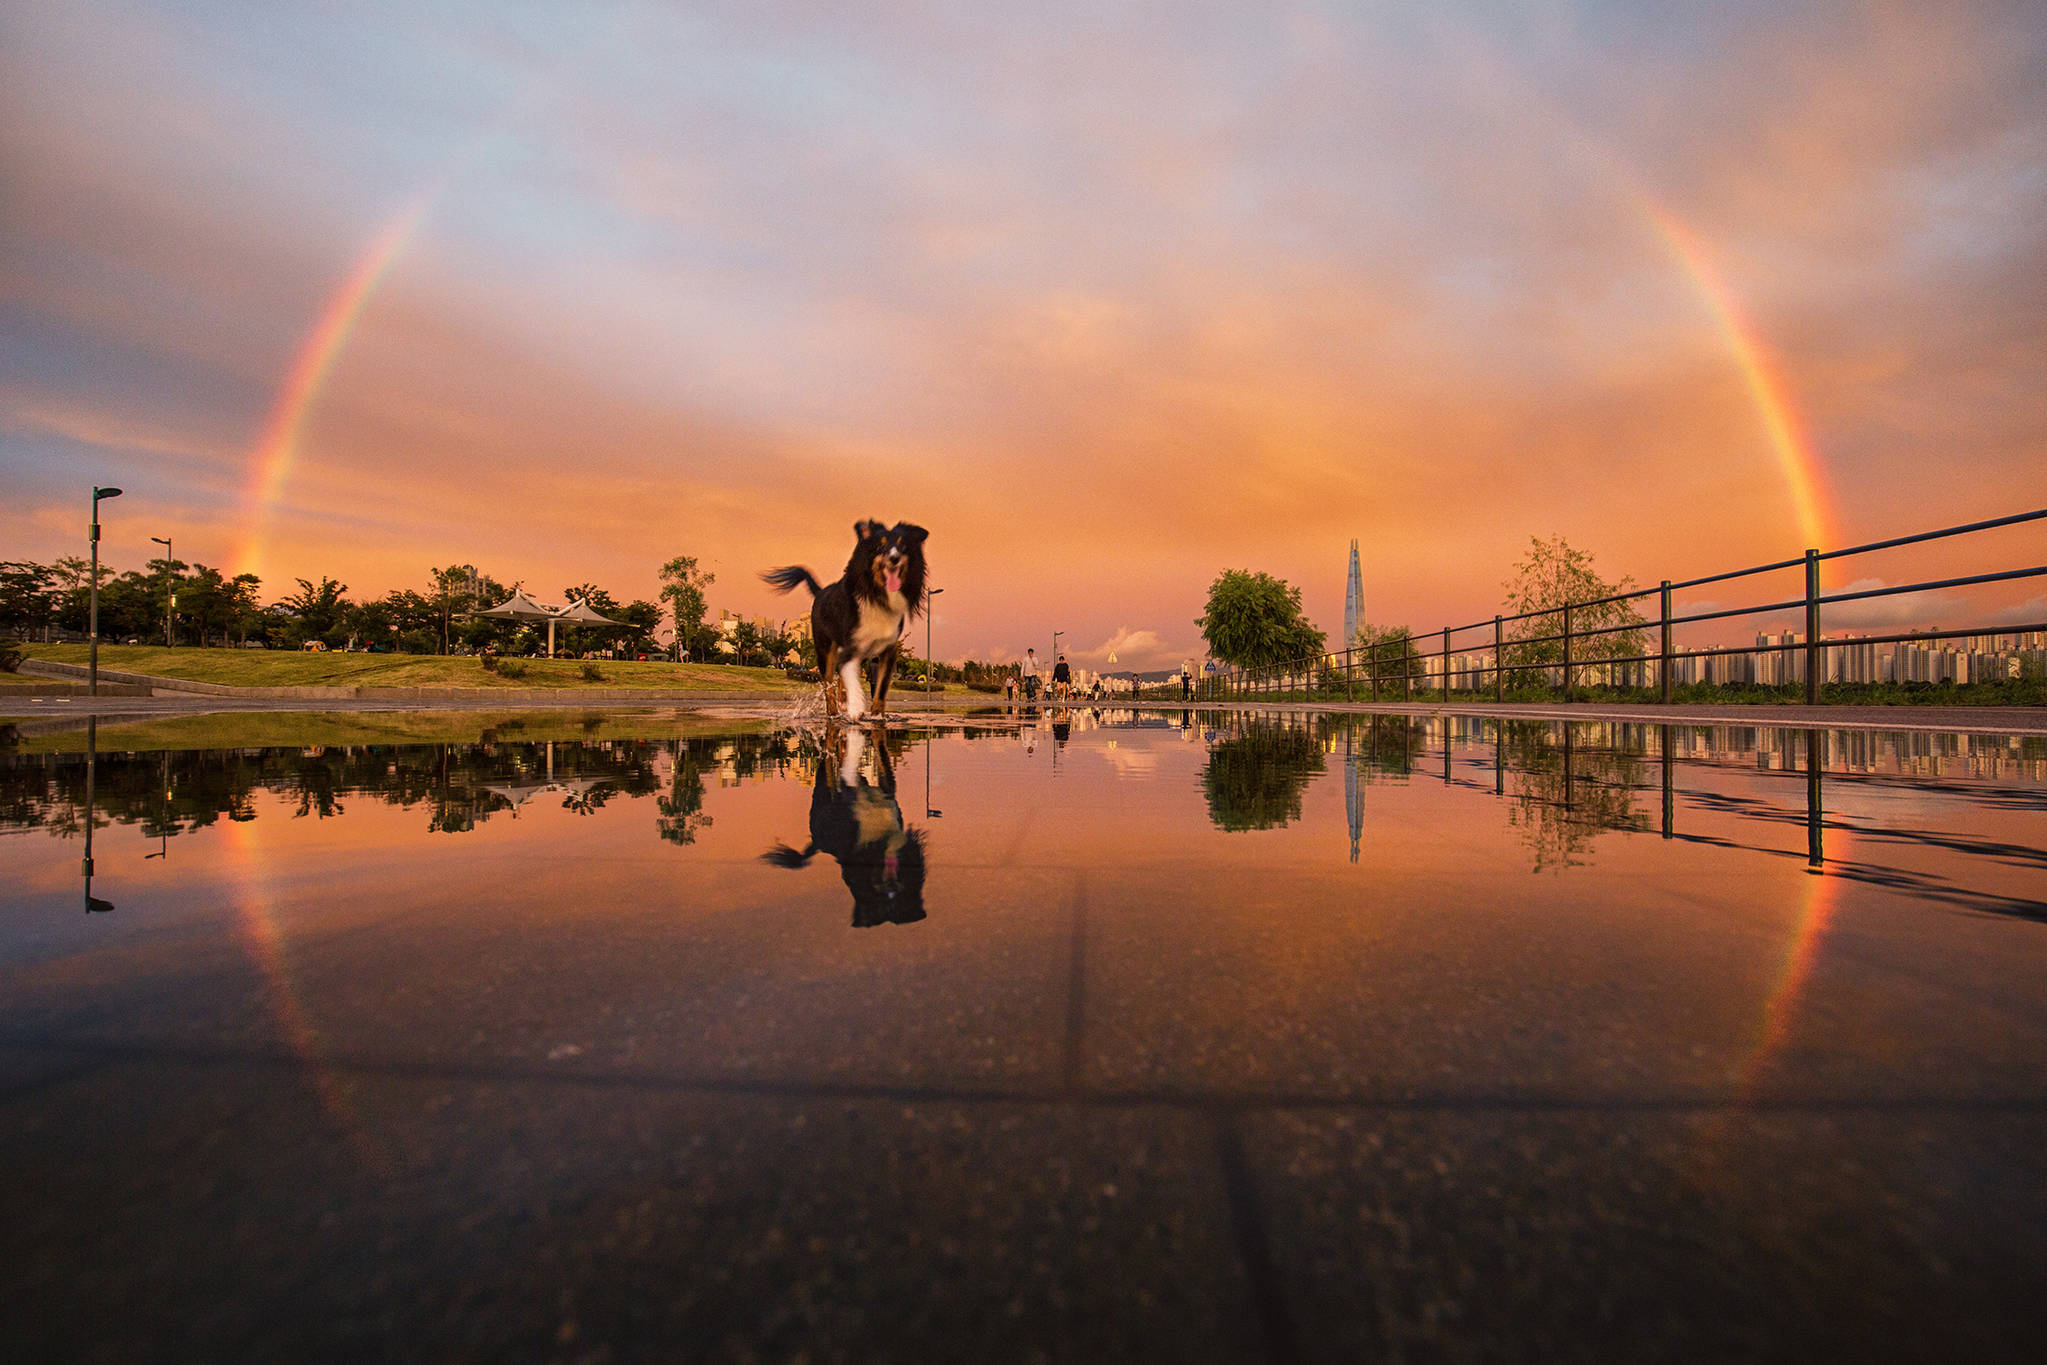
277,449
1788,439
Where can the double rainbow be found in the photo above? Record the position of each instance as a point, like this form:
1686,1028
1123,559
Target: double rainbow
276,451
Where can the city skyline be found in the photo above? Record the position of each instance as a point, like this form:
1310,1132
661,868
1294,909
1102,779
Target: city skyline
1109,302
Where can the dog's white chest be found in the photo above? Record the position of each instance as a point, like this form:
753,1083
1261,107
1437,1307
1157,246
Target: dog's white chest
879,626
879,819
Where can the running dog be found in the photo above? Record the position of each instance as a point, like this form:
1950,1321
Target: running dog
860,619
860,825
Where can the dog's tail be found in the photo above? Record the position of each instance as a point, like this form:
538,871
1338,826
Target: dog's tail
781,855
784,580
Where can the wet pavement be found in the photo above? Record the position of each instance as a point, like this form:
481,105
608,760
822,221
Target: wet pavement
1076,1035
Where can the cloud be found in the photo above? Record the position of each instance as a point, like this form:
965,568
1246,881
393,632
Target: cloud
1900,611
110,433
1134,648
2029,612
1109,305
1903,610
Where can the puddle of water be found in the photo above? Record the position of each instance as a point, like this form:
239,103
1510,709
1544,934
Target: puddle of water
1328,906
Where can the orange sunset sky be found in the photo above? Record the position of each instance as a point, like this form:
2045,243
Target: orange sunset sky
1109,297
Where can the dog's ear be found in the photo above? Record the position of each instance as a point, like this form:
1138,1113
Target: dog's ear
862,530
916,535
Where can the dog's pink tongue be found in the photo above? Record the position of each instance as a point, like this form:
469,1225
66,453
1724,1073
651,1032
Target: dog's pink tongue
895,580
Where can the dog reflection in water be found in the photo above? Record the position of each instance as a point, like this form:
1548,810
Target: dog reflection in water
859,823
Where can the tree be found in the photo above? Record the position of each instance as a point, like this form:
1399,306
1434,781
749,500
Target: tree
580,638
1254,619
28,597
131,606
638,619
746,638
453,591
245,613
318,611
1387,652
206,600
166,583
683,585
593,596
1551,576
459,591
779,644
72,577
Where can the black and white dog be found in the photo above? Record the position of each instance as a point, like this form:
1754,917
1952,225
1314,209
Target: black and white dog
860,825
860,619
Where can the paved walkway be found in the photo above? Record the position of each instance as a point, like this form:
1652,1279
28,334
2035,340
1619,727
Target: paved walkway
1971,719
1976,719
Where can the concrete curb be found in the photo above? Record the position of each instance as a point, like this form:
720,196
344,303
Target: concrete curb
111,684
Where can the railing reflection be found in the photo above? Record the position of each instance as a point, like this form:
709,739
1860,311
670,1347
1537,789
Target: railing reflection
1559,787
1571,784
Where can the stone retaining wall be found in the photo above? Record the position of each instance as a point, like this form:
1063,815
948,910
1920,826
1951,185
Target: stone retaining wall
111,685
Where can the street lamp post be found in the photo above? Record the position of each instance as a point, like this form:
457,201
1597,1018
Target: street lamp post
92,626
170,593
930,665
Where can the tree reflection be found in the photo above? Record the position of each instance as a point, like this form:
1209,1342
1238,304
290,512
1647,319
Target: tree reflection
1567,792
1255,778
681,815
460,786
1385,746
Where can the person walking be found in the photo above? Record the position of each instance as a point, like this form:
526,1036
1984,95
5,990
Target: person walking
1030,674
1186,679
1062,679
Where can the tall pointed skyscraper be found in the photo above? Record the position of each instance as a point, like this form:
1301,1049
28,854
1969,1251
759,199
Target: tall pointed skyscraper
1353,600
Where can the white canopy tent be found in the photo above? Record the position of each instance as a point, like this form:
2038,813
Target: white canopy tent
520,607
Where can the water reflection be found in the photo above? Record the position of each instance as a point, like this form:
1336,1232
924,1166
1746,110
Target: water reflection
859,824
460,787
1557,791
1258,770
1566,795
93,904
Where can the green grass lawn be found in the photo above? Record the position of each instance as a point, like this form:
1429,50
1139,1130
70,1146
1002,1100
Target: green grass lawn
305,729
278,668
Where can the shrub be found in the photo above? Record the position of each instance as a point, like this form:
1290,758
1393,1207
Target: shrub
490,663
10,656
592,673
511,668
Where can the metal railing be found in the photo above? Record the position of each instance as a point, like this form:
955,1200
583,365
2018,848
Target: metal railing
1390,669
